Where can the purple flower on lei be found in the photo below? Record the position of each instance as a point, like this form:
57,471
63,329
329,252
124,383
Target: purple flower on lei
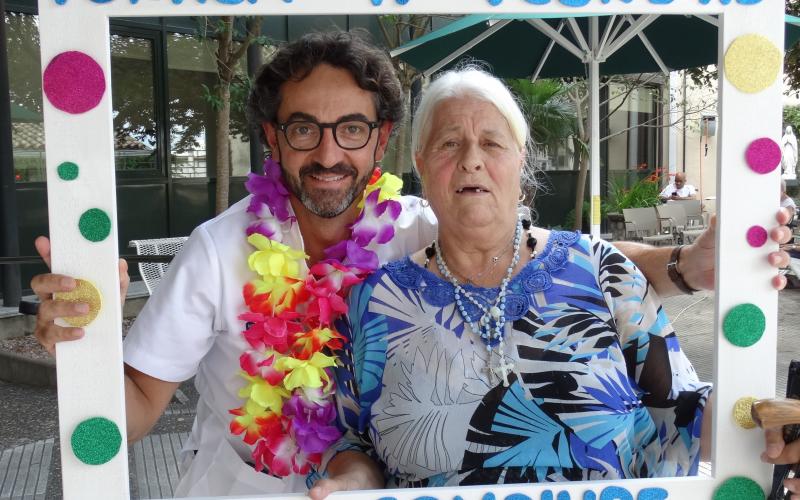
349,253
269,191
376,220
311,424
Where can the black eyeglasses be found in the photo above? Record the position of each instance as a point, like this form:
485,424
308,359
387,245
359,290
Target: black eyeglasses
305,135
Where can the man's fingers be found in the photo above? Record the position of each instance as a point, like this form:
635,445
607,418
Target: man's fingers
42,245
51,334
124,280
49,310
45,285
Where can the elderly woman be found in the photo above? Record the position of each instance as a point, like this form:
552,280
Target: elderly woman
503,352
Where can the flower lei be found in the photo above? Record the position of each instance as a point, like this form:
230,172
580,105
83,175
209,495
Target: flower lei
289,415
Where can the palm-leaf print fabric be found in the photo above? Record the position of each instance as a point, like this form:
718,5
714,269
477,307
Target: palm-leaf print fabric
600,389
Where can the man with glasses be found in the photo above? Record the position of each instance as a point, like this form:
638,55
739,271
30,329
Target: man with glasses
325,105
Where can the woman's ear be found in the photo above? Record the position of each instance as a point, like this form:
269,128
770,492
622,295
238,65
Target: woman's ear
419,163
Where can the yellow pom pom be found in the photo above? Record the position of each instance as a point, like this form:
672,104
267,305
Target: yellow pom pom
741,412
752,63
85,293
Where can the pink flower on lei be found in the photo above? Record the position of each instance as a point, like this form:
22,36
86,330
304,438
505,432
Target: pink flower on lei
279,454
262,365
270,331
311,424
327,282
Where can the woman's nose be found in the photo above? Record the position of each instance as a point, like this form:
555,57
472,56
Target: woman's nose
470,160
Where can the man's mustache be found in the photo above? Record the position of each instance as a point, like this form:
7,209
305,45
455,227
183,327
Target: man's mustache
338,169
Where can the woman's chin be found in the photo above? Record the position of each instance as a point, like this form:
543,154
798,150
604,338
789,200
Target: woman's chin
472,220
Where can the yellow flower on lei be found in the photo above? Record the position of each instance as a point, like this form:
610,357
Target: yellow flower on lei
390,186
262,393
305,372
273,259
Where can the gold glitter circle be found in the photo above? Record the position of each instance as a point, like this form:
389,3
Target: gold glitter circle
752,63
741,412
86,293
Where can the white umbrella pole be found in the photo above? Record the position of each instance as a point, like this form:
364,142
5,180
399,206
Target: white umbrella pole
594,127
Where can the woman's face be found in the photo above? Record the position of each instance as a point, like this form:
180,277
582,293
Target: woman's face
470,164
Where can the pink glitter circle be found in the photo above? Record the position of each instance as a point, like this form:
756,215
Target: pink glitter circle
763,155
756,236
74,82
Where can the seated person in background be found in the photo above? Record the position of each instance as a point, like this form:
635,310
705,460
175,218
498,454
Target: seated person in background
504,352
788,203
678,189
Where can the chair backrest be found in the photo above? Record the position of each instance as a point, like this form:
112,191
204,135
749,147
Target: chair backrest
644,220
692,208
674,212
152,272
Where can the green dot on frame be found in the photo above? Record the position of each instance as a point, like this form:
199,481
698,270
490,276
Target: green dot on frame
96,440
95,225
68,171
744,325
739,488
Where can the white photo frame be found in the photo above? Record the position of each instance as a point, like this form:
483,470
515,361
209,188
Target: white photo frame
90,379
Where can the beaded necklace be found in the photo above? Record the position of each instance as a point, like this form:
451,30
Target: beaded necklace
490,326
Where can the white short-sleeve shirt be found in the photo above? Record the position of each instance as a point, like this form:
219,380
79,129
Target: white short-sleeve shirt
190,327
684,192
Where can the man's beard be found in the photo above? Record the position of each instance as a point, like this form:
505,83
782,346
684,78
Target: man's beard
327,203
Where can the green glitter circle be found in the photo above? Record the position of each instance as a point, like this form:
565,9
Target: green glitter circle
739,488
96,441
94,225
68,171
744,325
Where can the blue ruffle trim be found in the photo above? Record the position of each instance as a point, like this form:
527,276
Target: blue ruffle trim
534,277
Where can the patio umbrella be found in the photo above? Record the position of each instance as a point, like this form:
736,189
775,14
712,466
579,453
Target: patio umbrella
552,45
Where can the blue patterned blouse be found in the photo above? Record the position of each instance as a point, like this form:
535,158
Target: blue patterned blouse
600,389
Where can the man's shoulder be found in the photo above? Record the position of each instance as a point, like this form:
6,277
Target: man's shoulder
233,219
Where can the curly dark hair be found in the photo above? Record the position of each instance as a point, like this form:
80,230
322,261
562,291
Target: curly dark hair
369,65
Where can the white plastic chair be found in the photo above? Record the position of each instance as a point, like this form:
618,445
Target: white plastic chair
152,272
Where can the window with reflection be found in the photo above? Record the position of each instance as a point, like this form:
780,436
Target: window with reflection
133,99
25,95
192,76
633,132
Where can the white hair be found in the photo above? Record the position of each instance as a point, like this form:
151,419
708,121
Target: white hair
471,81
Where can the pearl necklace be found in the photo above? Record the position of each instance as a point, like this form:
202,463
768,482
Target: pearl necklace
490,326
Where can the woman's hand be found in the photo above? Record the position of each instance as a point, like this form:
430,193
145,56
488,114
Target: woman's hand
777,452
45,285
325,487
697,259
348,470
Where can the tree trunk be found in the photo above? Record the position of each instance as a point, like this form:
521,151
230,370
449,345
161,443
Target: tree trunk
223,114
402,161
223,158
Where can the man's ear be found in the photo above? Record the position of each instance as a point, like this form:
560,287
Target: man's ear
271,133
384,131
